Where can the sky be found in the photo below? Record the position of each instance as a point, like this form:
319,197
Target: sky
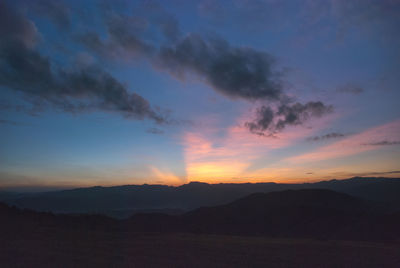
169,92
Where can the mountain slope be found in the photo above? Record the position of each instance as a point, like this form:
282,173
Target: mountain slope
307,213
125,200
294,213
33,239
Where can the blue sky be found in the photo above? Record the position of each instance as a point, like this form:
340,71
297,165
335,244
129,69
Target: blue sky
133,92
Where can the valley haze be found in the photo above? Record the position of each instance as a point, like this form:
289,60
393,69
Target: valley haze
123,201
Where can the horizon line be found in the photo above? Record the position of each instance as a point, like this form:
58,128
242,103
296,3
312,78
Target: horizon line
49,188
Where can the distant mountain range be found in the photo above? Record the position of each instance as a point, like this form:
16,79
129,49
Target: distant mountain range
382,194
307,213
313,213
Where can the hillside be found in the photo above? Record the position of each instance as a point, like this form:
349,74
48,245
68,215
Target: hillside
123,201
315,213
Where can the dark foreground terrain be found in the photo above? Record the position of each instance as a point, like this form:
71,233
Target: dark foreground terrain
293,228
124,201
114,249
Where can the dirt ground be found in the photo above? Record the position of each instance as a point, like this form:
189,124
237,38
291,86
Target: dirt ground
117,249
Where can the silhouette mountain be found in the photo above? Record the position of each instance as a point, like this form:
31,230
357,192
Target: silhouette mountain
306,213
210,236
315,213
123,201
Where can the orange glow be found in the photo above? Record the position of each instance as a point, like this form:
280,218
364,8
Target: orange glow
166,177
210,157
212,171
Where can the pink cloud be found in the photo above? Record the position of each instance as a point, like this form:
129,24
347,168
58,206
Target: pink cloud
355,144
209,155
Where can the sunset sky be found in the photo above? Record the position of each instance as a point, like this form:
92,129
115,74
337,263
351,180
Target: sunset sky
168,92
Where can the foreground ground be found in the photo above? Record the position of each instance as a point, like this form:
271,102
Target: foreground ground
74,248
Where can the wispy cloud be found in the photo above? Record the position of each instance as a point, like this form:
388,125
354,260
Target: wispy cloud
333,135
154,130
209,154
376,173
382,143
354,144
351,89
26,70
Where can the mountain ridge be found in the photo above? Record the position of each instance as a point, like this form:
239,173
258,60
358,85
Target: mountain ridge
306,213
121,201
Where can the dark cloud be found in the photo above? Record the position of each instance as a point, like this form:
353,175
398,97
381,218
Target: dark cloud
123,38
72,91
239,72
56,11
234,72
267,122
25,70
155,131
124,32
162,19
297,114
106,93
333,135
14,27
384,172
369,174
382,143
132,35
264,120
351,88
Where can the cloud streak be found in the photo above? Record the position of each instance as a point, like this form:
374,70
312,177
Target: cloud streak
25,70
154,130
354,144
333,135
351,89
382,143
